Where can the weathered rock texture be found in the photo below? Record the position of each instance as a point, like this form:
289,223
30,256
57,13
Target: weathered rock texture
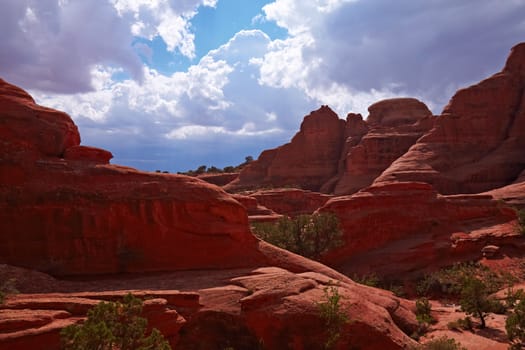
64,210
392,127
336,156
268,305
309,160
291,201
478,142
398,228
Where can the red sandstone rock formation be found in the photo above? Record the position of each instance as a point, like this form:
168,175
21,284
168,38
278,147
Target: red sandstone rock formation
478,142
220,179
334,156
308,161
398,228
64,210
393,126
291,201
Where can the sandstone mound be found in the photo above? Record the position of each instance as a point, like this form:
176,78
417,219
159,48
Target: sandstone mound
268,305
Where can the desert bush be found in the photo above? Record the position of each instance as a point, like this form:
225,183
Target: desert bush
442,343
333,316
521,220
449,281
461,324
113,326
423,309
512,297
306,235
515,325
474,299
7,287
371,279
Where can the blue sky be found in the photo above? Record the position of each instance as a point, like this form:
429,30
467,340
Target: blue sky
175,84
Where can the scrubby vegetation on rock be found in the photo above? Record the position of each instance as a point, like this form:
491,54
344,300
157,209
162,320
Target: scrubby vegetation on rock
114,326
442,343
306,235
333,315
515,325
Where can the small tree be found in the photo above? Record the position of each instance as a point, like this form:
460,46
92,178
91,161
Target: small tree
332,315
515,325
307,235
423,309
113,326
474,299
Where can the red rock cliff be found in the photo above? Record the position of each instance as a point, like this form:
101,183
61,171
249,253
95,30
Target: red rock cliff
336,156
478,142
65,210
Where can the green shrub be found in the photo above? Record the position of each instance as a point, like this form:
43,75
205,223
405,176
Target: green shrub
474,299
449,281
113,326
306,235
461,324
333,316
423,309
513,296
6,288
521,220
371,279
515,325
442,343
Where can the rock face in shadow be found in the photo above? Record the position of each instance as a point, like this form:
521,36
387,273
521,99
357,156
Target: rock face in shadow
478,142
336,156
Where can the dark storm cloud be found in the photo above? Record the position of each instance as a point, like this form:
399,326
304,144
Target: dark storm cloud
425,48
52,47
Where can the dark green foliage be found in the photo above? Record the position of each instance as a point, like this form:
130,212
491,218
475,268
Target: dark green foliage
513,296
449,281
461,324
214,170
515,324
113,326
474,298
442,343
307,235
521,220
371,279
423,309
333,316
6,288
